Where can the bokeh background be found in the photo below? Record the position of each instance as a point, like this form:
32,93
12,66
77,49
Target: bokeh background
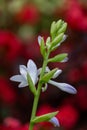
21,21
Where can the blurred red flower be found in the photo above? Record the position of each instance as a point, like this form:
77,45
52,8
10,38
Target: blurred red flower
68,116
10,46
11,123
31,50
28,14
75,16
84,69
74,75
81,97
7,94
44,109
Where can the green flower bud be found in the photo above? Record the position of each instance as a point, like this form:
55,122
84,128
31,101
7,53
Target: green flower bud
53,29
62,29
57,40
58,58
48,42
42,47
59,23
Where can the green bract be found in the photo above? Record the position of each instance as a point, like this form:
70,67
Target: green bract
45,117
48,75
31,85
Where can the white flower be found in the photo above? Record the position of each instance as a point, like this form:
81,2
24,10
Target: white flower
54,121
22,78
62,86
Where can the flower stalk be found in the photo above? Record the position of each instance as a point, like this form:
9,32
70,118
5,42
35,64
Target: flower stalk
30,75
36,98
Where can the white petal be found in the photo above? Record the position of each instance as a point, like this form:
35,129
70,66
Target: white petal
17,78
57,73
39,40
64,87
32,70
23,71
54,121
23,84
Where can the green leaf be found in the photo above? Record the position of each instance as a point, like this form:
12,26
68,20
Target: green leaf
57,40
48,75
58,58
45,117
62,29
42,48
31,85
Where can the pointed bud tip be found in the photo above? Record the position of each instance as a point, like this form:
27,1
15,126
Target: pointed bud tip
65,60
39,39
54,121
70,89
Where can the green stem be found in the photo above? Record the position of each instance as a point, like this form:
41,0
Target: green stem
36,98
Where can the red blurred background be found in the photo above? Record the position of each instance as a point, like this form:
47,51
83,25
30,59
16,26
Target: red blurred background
21,21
